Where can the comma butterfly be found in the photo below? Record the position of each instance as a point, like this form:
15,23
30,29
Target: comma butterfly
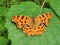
32,26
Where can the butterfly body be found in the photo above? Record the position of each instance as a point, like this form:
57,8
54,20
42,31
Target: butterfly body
32,26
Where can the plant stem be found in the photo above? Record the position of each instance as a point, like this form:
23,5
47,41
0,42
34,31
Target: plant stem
43,4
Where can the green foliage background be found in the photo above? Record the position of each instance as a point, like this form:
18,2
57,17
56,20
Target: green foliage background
11,35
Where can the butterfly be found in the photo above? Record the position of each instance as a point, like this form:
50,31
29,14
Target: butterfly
32,26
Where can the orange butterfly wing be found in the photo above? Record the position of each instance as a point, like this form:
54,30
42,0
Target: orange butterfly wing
24,22
42,21
40,28
32,26
36,29
29,30
20,20
44,18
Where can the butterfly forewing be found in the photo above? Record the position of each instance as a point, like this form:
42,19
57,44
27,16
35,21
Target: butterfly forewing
21,20
44,18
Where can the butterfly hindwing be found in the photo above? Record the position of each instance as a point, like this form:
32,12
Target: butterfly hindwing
28,30
39,29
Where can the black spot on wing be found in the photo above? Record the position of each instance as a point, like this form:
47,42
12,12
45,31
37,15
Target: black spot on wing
22,24
44,24
43,16
26,18
24,21
40,24
40,17
22,17
44,19
18,17
28,26
41,20
21,21
46,14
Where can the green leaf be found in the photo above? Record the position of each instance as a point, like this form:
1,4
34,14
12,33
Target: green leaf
1,1
2,21
51,36
55,5
3,41
3,10
3,31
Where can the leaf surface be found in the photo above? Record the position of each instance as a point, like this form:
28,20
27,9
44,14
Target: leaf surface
3,41
51,36
55,6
